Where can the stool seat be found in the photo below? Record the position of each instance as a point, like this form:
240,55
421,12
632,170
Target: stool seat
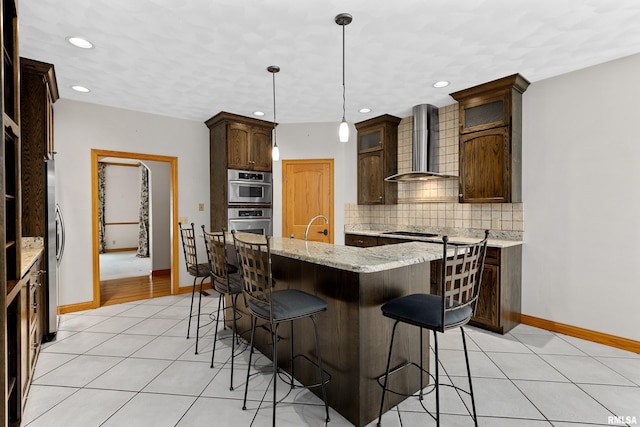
288,304
425,311
199,270
234,287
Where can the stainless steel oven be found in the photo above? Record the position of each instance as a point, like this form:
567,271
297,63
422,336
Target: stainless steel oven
251,220
249,188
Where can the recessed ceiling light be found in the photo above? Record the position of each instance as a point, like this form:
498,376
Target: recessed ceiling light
258,113
80,42
441,83
78,88
365,110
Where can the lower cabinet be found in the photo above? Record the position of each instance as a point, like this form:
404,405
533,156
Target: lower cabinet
499,303
360,240
24,335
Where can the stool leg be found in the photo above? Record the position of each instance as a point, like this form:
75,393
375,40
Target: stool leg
193,292
293,369
421,395
215,333
386,375
466,358
246,384
275,368
437,378
198,322
324,389
234,300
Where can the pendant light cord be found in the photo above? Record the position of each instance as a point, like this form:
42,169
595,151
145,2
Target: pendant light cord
275,141
344,88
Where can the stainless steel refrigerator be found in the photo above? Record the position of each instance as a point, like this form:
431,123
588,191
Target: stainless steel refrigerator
54,250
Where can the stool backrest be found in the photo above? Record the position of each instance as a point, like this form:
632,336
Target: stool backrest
216,244
254,262
461,276
187,233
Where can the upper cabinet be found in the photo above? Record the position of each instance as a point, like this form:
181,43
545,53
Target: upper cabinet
491,141
235,142
38,92
246,141
377,159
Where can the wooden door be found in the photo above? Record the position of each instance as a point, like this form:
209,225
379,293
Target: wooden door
307,191
485,166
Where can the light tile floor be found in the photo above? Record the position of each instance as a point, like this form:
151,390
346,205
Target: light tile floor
130,365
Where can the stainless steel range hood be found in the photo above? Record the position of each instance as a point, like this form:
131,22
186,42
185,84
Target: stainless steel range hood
426,145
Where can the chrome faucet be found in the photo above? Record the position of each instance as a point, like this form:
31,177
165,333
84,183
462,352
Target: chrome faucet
306,232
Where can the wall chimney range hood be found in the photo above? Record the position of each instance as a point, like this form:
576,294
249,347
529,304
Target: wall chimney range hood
425,143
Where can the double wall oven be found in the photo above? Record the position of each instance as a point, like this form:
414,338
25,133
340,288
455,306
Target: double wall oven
249,197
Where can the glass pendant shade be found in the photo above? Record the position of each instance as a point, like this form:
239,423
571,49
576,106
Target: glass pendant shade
343,131
275,153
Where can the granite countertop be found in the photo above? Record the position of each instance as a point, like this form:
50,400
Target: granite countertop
32,247
492,242
351,258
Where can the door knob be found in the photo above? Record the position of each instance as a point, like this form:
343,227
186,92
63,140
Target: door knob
325,232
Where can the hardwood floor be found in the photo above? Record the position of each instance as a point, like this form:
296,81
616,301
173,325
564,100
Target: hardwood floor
129,289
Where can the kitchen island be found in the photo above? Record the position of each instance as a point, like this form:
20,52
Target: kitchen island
354,336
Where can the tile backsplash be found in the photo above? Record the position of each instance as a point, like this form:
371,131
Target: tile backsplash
434,204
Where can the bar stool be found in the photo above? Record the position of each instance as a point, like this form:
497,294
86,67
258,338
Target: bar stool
225,283
453,307
275,307
198,271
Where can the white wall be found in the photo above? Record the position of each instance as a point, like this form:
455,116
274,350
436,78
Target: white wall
318,141
81,126
581,178
121,200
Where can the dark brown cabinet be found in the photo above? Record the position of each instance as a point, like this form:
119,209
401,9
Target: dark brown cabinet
38,92
485,165
248,141
12,300
360,240
377,159
490,150
235,142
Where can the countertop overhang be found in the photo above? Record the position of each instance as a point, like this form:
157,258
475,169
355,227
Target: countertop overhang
351,258
495,243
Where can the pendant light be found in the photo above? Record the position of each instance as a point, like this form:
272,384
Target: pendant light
275,152
343,131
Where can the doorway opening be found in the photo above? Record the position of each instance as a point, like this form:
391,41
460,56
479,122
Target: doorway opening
126,284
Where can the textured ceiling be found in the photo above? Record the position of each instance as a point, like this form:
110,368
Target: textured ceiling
194,58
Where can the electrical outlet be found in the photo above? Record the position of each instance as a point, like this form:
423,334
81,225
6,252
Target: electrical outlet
113,242
201,207
183,220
